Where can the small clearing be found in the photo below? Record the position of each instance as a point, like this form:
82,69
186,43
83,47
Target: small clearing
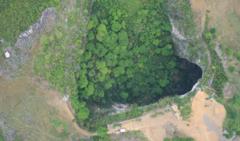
205,123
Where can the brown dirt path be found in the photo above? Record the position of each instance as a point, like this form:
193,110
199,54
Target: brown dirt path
205,123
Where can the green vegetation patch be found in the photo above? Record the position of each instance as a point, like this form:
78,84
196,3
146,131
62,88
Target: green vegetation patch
1,136
101,120
184,105
216,71
126,59
17,15
232,121
59,56
130,136
179,139
128,56
59,128
121,55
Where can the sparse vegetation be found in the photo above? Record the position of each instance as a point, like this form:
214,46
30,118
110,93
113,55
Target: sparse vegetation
231,69
58,59
60,128
130,136
181,12
184,105
231,43
1,136
103,120
232,121
219,74
102,135
216,69
179,139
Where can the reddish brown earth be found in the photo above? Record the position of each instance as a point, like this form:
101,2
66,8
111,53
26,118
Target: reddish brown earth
205,123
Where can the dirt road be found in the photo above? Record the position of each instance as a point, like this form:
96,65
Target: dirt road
205,123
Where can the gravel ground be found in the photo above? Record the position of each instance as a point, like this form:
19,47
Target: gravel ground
9,133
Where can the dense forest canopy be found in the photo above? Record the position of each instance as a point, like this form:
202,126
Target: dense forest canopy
125,55
128,56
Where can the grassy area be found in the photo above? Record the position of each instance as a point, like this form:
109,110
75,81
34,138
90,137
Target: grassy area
59,128
60,52
129,136
179,139
231,48
232,121
101,120
220,78
36,113
184,105
53,55
17,15
1,136
215,71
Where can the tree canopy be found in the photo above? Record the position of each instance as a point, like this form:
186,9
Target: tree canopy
122,53
128,56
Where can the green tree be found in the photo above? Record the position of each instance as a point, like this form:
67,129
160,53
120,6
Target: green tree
83,113
116,26
102,134
163,82
101,32
124,95
123,38
89,90
92,23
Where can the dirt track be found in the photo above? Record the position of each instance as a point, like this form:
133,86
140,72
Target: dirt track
205,123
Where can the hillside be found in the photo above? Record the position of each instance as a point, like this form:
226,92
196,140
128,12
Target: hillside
103,70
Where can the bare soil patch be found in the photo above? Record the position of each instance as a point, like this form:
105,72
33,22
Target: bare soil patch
205,123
